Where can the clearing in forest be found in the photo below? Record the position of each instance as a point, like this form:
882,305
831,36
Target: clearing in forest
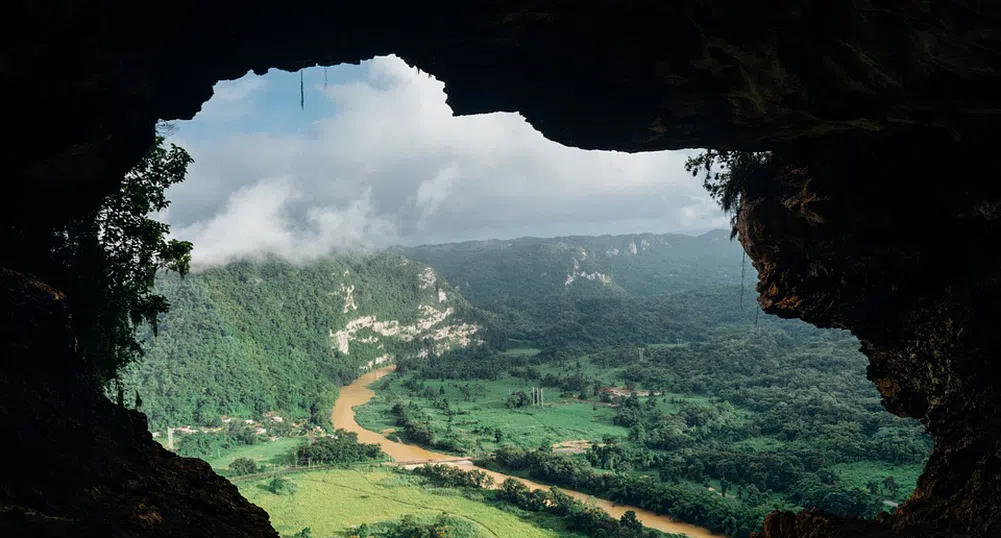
333,502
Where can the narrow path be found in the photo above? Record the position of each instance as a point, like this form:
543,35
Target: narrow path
358,393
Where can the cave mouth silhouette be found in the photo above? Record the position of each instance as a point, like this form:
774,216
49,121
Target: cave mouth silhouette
290,83
880,219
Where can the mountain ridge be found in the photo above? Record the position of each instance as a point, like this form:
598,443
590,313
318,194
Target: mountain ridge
253,337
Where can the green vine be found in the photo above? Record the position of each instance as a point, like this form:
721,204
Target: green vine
727,175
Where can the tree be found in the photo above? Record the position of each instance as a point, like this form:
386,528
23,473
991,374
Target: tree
730,526
890,486
106,261
304,533
728,174
281,486
340,449
410,527
561,503
630,521
754,496
518,399
873,487
243,466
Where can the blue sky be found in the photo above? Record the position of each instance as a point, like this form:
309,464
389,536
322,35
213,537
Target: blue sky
376,158
269,103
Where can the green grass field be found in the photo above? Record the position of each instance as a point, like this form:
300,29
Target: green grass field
562,419
332,502
269,453
527,427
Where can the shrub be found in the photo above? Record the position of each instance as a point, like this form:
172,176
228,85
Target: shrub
281,486
243,466
446,475
342,448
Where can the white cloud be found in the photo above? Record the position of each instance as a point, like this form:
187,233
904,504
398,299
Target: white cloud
703,212
255,222
393,165
433,192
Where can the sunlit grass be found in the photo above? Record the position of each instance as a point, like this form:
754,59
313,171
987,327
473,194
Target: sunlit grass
332,502
528,427
269,453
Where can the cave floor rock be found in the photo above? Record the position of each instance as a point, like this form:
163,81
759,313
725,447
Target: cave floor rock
77,464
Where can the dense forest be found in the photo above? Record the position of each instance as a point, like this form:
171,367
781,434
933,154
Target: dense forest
522,279
255,337
770,413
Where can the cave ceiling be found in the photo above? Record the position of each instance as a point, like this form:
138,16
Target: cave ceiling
85,81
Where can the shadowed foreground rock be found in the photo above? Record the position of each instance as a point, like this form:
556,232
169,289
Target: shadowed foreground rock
883,215
76,464
846,237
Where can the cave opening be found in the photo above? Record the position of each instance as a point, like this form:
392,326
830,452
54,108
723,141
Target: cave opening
362,147
879,220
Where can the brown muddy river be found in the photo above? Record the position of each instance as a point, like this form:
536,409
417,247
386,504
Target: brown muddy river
358,393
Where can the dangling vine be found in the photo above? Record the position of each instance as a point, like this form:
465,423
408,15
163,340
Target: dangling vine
727,174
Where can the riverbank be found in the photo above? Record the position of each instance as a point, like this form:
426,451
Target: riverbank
358,393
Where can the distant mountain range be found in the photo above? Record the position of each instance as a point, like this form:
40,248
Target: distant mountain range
639,264
522,279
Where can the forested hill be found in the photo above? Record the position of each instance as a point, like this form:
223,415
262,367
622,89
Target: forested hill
249,338
637,264
525,279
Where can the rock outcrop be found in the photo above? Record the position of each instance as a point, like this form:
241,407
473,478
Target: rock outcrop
882,216
851,237
79,465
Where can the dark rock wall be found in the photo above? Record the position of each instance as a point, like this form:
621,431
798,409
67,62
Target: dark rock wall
77,465
87,79
882,216
898,242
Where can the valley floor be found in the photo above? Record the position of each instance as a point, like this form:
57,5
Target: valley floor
568,424
456,406
477,417
332,503
339,500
